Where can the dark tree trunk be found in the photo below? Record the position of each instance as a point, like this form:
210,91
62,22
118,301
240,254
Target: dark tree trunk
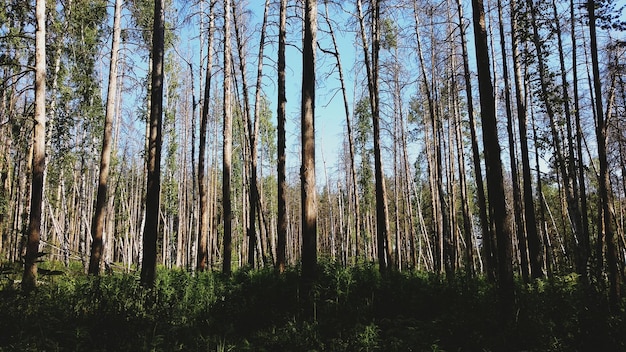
282,117
605,207
307,172
495,183
203,225
153,188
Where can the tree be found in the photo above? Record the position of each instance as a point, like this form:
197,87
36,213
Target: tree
203,225
153,186
605,207
97,225
307,126
532,236
227,148
372,68
281,117
495,182
29,279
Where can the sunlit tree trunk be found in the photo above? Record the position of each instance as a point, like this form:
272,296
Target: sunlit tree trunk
97,225
29,279
227,147
353,175
307,172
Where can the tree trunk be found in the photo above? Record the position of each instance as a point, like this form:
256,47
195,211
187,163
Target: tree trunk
585,245
382,210
517,201
495,182
97,226
153,186
353,175
203,226
227,148
29,279
487,235
282,117
534,243
605,213
308,190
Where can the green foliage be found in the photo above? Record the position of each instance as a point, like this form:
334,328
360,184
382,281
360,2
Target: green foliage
356,309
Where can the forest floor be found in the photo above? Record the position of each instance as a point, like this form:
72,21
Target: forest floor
347,309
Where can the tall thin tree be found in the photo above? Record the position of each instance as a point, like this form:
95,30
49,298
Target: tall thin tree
307,125
605,209
281,117
203,225
97,225
227,147
153,186
29,278
495,181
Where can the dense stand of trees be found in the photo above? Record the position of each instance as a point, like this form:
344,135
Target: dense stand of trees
522,176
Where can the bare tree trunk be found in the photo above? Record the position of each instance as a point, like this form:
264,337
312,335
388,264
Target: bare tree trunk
382,210
97,226
282,182
606,212
517,202
153,186
227,148
487,235
29,279
308,190
495,182
203,226
585,245
532,236
353,177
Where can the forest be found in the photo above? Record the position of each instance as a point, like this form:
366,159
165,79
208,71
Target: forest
359,175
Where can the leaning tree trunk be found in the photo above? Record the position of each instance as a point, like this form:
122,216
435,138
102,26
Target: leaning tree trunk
97,226
29,279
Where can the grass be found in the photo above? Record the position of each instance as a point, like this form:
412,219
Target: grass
354,309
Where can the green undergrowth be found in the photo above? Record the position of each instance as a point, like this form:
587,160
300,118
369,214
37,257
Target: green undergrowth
347,309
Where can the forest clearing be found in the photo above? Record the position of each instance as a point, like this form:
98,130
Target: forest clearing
360,175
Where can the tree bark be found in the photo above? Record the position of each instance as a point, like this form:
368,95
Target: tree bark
605,208
307,172
153,186
493,162
534,243
203,226
227,147
97,225
281,119
29,278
